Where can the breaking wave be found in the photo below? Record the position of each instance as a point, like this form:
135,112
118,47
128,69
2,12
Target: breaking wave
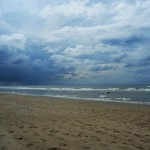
74,89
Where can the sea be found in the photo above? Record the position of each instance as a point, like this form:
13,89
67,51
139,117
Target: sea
136,94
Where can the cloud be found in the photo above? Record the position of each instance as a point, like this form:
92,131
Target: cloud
77,51
74,40
16,41
20,59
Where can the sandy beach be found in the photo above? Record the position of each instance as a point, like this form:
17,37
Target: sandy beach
42,123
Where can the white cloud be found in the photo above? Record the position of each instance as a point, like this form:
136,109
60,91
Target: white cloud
75,28
77,51
103,48
135,15
76,13
14,40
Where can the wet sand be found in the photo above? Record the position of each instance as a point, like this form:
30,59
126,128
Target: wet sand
40,123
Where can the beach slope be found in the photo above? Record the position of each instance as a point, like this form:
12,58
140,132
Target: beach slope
40,123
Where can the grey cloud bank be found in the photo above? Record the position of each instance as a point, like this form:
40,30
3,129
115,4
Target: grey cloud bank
73,41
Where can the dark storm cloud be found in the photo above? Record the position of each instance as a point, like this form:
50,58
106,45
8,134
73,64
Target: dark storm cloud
49,42
125,41
141,63
26,67
102,68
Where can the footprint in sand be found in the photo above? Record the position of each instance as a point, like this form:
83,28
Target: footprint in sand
53,131
67,133
51,135
33,127
86,147
3,148
2,135
20,127
21,138
54,148
44,140
36,134
63,144
11,131
29,145
60,138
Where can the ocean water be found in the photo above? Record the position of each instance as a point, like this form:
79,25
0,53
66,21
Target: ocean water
123,93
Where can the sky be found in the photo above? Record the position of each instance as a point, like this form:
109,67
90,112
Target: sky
74,42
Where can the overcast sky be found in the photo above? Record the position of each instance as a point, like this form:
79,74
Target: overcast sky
74,41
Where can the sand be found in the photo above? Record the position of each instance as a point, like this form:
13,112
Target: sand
40,123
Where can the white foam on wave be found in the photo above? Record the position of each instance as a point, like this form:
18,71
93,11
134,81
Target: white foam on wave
136,89
116,100
55,88
49,88
101,98
73,89
123,99
144,90
22,88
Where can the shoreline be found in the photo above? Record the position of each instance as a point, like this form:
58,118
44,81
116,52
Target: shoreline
82,99
43,123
